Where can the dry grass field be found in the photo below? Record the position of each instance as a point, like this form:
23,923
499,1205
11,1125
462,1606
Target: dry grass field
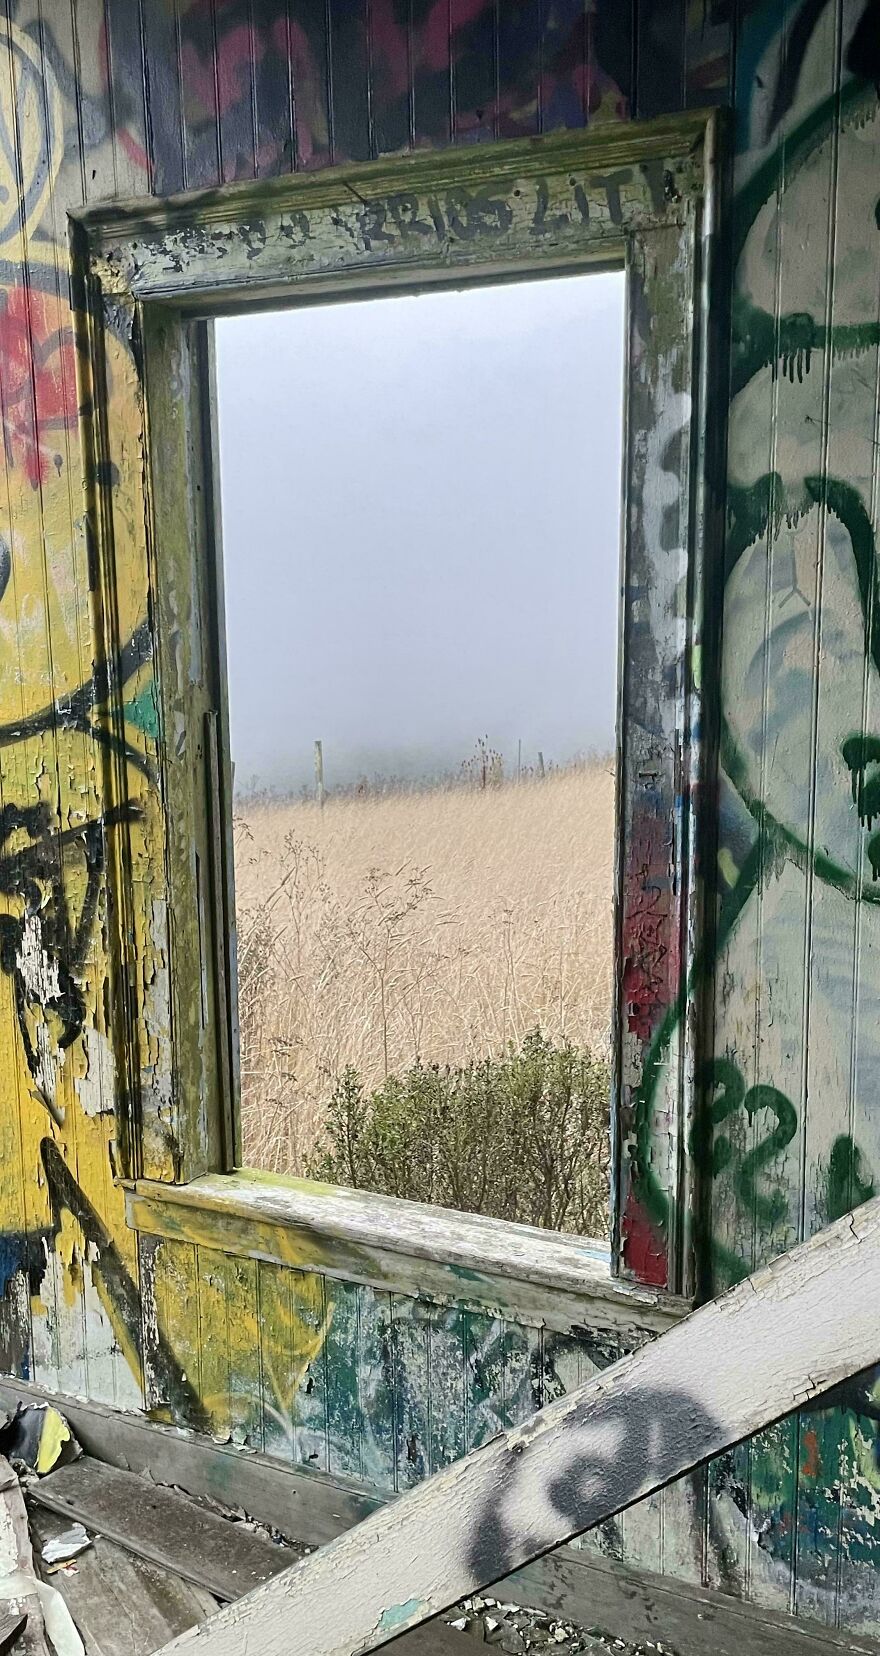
436,926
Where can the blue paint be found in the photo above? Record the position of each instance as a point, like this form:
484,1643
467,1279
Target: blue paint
398,1615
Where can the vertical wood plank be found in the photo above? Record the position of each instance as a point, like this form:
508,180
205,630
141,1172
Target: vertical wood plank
772,1512
412,1372
446,1350
473,71
311,75
88,60
709,44
642,1529
519,68
274,141
126,80
243,1324
201,66
612,62
175,1295
682,1527
311,1316
238,46
565,58
350,82
662,30
375,1378
214,1375
279,1371
165,128
730,1485
344,1421
484,1378
432,76
391,87
523,1383
817,1532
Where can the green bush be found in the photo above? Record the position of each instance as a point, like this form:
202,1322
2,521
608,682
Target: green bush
521,1137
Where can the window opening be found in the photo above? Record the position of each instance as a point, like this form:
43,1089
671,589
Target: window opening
421,501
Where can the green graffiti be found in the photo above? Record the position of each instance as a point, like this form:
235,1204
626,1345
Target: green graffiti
773,1209
723,1093
847,506
849,1181
712,1151
143,711
841,109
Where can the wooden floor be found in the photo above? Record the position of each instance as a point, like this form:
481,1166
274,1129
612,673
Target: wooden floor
158,1563
122,1605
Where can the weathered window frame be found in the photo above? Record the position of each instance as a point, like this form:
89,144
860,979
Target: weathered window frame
151,273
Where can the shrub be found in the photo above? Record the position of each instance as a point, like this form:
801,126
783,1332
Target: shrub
522,1137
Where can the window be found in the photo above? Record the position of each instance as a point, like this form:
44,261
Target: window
453,230
421,548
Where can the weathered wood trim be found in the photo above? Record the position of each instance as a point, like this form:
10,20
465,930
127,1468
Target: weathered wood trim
315,1508
639,198
600,148
561,1282
774,1343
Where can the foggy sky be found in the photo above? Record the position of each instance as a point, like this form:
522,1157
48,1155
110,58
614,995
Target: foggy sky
421,501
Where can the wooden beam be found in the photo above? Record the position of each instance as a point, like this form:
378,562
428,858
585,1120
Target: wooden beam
777,1341
569,1583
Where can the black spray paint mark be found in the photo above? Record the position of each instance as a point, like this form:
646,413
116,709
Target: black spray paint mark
109,1269
638,1435
34,875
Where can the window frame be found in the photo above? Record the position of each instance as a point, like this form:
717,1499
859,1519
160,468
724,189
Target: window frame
641,195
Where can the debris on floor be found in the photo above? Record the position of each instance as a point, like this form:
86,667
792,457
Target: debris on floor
516,1631
60,1549
30,1609
38,1438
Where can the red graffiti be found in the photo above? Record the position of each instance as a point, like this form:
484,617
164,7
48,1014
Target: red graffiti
219,79
644,1252
650,932
38,398
811,1465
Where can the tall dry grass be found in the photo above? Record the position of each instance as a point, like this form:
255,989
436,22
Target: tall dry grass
436,926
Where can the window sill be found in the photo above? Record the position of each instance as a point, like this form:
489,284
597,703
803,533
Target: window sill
535,1276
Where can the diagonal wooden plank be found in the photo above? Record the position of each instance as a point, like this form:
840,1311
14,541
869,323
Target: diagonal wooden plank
801,1325
180,1541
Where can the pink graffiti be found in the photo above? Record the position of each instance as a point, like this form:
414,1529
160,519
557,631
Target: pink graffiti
38,397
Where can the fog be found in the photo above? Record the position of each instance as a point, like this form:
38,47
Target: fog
421,507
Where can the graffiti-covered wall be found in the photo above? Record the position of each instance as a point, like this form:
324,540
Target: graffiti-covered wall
121,98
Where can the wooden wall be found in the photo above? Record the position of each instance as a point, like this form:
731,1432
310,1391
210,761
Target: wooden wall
122,97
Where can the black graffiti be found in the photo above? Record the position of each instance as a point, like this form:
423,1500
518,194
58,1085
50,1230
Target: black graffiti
34,875
74,713
639,1436
109,1269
